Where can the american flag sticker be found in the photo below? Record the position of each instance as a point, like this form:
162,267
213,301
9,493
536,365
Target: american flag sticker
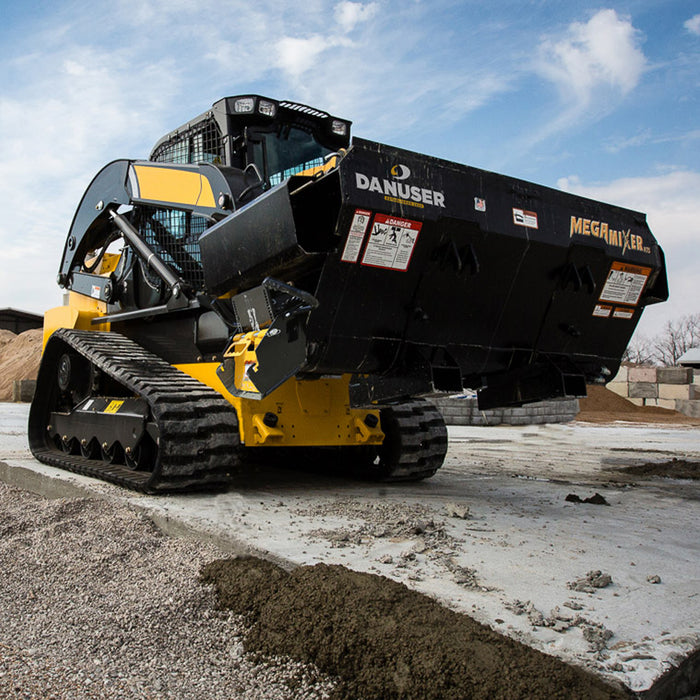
479,204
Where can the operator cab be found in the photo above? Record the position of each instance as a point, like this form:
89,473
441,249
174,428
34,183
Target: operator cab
268,138
255,143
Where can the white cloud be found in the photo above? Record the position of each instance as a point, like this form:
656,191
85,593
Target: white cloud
74,110
593,65
639,139
602,53
349,14
670,202
646,137
296,56
693,24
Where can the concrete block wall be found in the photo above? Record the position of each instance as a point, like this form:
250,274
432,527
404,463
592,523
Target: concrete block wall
677,388
464,411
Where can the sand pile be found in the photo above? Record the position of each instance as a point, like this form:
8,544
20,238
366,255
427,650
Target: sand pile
19,358
605,406
5,337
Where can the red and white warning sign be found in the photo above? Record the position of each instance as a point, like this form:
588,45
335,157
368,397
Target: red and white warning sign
356,235
391,242
625,283
528,219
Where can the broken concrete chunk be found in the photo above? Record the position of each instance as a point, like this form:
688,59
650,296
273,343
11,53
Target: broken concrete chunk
597,636
418,527
591,581
457,510
464,576
518,607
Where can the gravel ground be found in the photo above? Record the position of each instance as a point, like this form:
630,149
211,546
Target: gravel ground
95,602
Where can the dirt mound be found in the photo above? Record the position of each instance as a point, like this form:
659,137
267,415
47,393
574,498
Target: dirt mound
605,406
385,641
673,469
19,358
5,337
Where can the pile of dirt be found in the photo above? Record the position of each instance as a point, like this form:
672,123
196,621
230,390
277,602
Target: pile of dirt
19,358
383,640
673,469
5,337
605,406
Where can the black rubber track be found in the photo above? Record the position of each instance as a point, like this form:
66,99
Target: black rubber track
415,444
199,444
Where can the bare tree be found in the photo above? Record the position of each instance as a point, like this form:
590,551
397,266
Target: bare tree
677,338
640,351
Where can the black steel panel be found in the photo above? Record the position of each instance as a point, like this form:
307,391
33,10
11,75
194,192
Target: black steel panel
250,244
500,270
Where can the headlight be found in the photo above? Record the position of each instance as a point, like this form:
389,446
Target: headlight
269,109
244,105
338,127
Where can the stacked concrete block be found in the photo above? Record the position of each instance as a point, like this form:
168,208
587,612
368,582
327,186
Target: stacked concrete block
643,390
465,411
619,384
690,407
679,391
676,388
674,375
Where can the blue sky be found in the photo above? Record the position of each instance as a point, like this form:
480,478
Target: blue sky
601,99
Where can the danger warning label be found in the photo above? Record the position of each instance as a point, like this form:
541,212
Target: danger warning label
391,242
356,236
625,283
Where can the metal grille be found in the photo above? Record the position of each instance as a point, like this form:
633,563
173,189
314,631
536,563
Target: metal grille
174,235
304,109
200,144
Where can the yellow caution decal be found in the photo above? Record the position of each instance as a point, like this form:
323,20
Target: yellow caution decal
113,406
167,184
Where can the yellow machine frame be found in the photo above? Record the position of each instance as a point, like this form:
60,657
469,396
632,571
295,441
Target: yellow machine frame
300,412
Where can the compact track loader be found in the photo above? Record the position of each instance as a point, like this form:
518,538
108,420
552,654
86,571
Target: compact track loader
262,282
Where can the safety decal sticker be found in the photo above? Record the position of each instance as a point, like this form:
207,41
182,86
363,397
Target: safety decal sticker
602,311
391,242
113,406
625,283
356,236
528,219
622,312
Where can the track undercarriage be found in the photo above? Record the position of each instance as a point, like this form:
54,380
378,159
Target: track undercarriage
107,408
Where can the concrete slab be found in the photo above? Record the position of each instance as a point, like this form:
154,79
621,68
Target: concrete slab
492,534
